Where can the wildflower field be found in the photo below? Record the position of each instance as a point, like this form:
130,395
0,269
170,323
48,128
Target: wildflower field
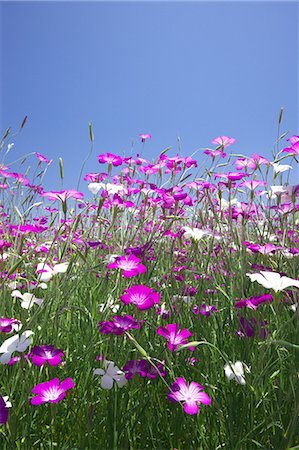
157,312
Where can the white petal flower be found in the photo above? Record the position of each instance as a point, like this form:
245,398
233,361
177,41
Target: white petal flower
279,168
273,280
13,344
7,402
236,371
110,374
95,187
195,233
27,298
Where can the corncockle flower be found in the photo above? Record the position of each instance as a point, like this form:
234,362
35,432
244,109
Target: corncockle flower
231,176
279,168
251,327
46,272
191,395
195,233
8,325
273,280
174,336
130,264
4,405
110,158
294,149
95,187
245,163
42,158
144,136
110,304
206,310
143,368
63,195
252,184
119,325
224,141
215,153
236,371
13,344
110,374
254,302
27,298
142,296
40,354
51,391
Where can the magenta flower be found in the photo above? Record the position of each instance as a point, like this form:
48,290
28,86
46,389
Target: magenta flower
142,296
42,158
63,195
51,391
41,354
110,158
130,264
224,141
8,325
143,368
254,302
190,395
144,137
215,153
119,325
175,336
231,176
206,310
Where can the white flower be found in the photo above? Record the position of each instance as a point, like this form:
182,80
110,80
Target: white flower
109,304
236,371
273,280
95,187
28,299
7,402
46,272
195,233
110,374
278,168
13,344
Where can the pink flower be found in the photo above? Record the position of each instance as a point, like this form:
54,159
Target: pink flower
63,195
41,354
51,391
130,265
144,136
191,395
119,325
142,296
223,141
175,336
254,302
110,158
42,158
206,310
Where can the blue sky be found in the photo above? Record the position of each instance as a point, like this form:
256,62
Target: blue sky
191,69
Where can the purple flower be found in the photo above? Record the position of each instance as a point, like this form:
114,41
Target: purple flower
40,354
250,327
142,296
190,395
130,265
51,391
143,368
144,136
206,310
175,336
110,158
7,325
3,411
254,302
223,141
119,325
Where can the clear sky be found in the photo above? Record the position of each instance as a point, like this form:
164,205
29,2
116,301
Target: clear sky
191,69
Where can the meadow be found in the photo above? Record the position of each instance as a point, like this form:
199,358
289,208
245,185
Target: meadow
158,312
